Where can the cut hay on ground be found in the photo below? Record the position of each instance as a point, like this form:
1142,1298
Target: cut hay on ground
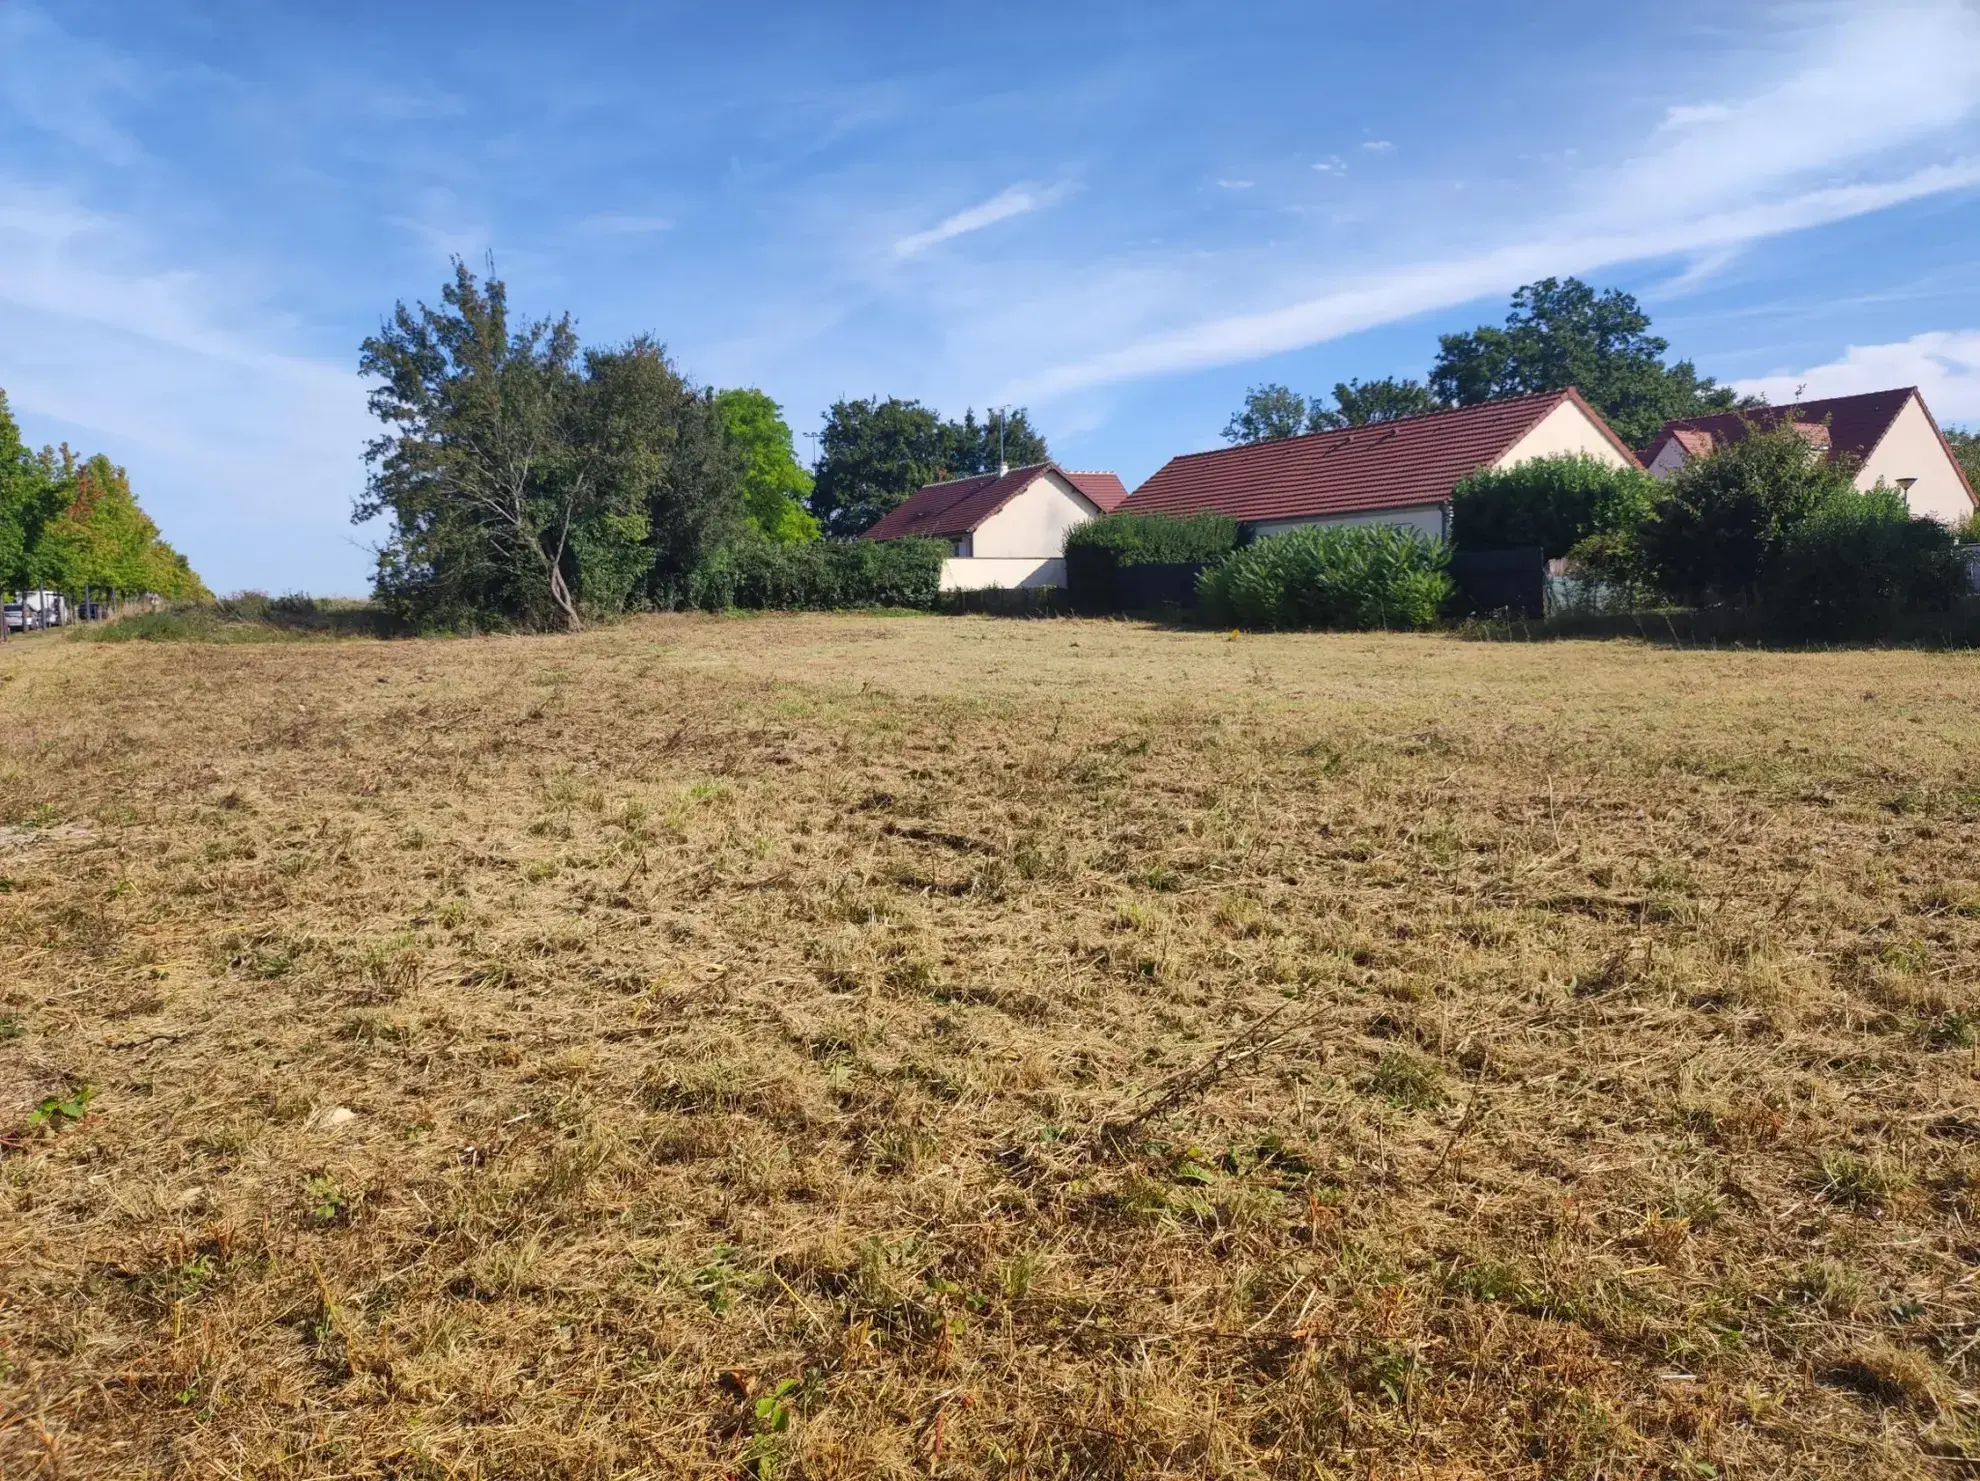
851,1046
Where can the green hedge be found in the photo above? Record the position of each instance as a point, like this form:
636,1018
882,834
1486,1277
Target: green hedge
1331,576
820,575
1555,503
1096,551
1859,565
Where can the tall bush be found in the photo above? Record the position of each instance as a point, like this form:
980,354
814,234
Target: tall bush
1097,550
820,575
1724,519
1331,576
1554,502
1858,565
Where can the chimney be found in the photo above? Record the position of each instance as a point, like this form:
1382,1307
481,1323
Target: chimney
1002,467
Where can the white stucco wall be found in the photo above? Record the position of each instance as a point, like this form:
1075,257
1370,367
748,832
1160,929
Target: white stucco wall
1670,457
1033,523
974,573
1565,429
1911,449
1429,518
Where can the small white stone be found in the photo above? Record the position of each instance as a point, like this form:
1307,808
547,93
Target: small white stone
336,1118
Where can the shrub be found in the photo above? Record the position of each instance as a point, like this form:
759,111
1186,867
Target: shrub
1098,549
1331,576
1724,518
1858,564
820,575
1555,503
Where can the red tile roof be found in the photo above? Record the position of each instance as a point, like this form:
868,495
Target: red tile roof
1402,464
1853,424
948,511
1104,489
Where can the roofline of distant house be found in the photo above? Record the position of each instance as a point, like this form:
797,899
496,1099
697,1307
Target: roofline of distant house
1032,468
1565,393
1911,393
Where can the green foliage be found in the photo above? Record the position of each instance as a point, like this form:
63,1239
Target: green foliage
875,453
1965,447
1331,576
1723,518
1554,502
67,524
1272,411
820,575
1098,549
1858,564
774,485
1561,333
524,483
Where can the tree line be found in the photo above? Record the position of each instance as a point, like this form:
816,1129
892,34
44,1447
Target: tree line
1560,332
69,523
525,479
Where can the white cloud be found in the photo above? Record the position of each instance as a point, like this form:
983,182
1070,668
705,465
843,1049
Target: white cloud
246,454
1377,146
1944,365
1016,200
1732,174
1333,164
1235,184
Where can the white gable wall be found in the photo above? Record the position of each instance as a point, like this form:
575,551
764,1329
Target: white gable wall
1912,449
1670,457
1034,522
1565,429
1023,543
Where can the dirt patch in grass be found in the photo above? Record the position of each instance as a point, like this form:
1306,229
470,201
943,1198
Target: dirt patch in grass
853,1046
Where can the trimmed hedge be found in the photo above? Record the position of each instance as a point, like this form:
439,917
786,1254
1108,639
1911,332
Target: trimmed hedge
1331,576
1098,549
1860,564
1554,502
820,575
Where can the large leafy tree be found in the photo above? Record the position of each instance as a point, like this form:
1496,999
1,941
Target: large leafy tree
524,481
874,453
1272,411
1561,333
775,485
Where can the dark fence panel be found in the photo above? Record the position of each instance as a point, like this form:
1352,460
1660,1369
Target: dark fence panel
1503,580
1144,588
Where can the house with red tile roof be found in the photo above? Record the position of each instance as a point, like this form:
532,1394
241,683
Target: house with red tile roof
1890,437
1006,528
1399,472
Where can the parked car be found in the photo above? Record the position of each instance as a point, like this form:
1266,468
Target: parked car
91,611
16,617
45,608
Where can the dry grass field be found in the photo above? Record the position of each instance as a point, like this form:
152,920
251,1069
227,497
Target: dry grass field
897,1046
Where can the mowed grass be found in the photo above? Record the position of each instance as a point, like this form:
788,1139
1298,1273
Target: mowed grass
860,1046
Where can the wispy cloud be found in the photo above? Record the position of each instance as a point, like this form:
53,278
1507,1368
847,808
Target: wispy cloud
1333,164
1401,293
1377,146
1734,173
1016,200
1235,184
1944,365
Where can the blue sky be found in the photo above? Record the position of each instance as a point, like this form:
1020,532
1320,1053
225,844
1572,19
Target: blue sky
1121,215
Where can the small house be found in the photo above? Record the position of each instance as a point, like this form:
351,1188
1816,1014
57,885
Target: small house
1888,436
1006,528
